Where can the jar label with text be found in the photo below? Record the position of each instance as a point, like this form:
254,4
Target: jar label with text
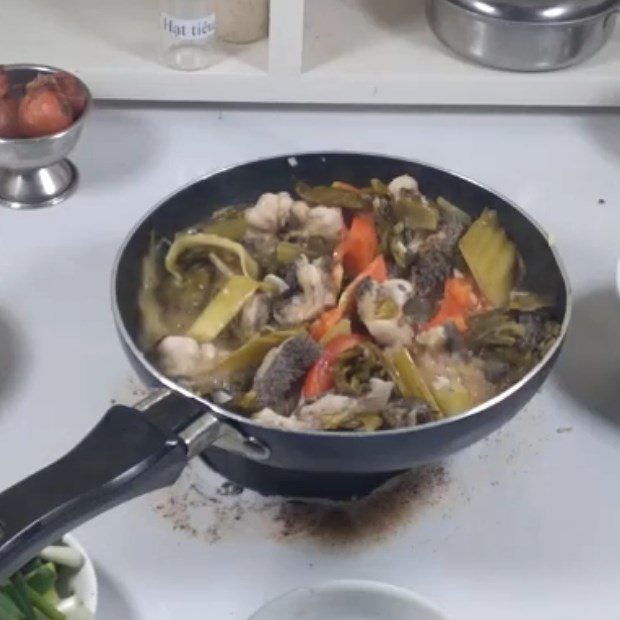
189,29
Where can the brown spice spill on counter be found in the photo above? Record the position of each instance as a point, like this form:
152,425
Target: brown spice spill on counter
212,512
371,519
229,488
203,510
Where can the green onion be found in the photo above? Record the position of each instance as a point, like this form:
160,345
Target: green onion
8,609
44,606
43,578
21,595
407,376
288,252
330,196
232,228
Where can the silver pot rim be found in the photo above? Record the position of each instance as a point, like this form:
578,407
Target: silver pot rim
536,12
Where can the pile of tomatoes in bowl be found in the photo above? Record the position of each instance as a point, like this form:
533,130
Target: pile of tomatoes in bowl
48,104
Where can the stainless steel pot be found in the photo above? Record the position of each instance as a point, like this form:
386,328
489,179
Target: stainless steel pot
523,35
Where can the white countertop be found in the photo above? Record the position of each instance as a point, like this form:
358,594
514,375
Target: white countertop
522,525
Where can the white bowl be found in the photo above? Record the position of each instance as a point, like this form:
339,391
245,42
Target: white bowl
349,600
84,581
76,583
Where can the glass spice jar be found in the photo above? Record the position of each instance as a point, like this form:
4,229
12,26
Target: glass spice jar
188,34
242,21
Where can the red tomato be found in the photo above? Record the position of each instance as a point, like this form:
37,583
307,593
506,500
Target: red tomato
459,301
65,84
377,270
71,89
9,126
44,111
361,244
4,83
320,377
341,249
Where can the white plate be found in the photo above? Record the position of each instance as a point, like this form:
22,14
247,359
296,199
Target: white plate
349,600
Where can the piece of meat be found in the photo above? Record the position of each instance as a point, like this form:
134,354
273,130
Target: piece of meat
289,277
389,332
433,339
311,414
326,222
378,396
282,369
380,307
261,245
270,213
429,274
318,291
449,234
375,400
434,264
268,417
299,214
279,285
183,358
414,241
444,337
403,184
445,238
254,314
407,412
400,291
178,356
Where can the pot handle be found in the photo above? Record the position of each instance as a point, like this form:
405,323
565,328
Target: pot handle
130,452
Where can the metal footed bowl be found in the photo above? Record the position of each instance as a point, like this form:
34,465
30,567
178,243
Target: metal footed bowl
35,172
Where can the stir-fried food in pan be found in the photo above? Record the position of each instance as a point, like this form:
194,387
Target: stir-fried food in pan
343,308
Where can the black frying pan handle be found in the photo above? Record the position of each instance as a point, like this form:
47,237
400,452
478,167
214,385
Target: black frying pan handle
127,454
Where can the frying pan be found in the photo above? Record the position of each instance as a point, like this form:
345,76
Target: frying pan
136,450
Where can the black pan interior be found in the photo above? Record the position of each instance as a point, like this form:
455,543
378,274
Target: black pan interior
245,183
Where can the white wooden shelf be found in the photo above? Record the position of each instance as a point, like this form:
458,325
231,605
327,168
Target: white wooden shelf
319,51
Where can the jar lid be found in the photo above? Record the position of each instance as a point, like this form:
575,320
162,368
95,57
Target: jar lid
538,11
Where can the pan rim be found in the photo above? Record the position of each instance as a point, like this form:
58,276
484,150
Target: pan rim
128,340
